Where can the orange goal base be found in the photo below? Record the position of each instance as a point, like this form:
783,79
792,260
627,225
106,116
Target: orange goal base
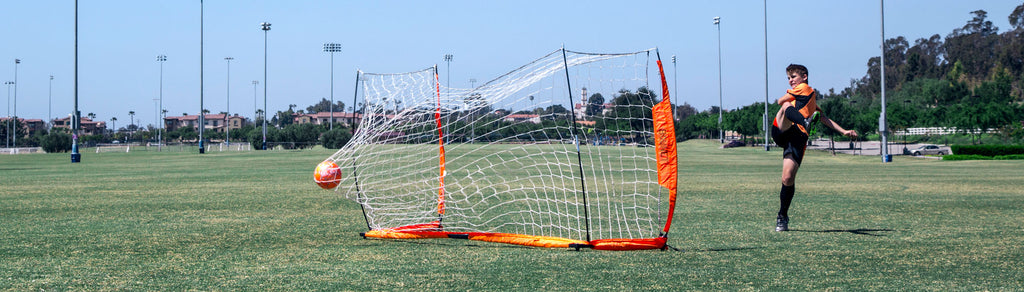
434,230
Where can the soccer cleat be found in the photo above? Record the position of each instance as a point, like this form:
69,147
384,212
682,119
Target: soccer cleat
811,131
782,223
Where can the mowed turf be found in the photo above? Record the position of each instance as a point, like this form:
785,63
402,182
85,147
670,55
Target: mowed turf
255,221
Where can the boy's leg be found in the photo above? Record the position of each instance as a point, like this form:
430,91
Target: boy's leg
789,170
781,120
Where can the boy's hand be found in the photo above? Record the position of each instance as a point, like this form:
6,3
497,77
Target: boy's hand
850,133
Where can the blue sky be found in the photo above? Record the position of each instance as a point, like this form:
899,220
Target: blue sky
119,42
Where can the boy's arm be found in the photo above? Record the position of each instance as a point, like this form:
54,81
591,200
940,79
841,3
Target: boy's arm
785,98
832,124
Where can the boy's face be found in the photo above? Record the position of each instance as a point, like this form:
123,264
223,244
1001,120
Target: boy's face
796,78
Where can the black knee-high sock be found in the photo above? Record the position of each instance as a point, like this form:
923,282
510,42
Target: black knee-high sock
793,114
786,198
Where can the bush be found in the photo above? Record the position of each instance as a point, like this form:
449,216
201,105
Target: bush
982,157
335,139
988,150
56,142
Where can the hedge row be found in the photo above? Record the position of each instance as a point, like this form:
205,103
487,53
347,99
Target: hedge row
982,157
987,150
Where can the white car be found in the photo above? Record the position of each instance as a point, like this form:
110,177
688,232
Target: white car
929,150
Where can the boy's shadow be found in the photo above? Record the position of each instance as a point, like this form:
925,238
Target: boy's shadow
858,231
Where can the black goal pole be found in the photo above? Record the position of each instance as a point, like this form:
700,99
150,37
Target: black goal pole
576,138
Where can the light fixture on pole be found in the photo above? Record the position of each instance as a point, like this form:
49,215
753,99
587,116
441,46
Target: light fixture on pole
332,48
721,133
265,26
159,131
227,119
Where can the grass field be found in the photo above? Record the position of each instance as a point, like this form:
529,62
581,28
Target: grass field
255,221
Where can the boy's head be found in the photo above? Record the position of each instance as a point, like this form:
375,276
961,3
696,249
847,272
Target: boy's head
796,74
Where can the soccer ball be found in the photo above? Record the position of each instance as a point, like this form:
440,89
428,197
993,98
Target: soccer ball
327,175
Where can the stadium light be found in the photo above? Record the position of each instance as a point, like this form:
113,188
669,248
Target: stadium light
332,48
227,124
265,26
721,133
159,131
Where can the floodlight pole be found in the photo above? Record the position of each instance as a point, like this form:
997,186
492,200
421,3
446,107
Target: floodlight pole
49,106
255,106
448,91
15,126
227,117
721,132
159,131
882,127
75,156
265,26
7,125
767,125
202,115
332,48
675,85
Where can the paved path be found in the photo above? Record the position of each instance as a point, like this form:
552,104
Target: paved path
863,147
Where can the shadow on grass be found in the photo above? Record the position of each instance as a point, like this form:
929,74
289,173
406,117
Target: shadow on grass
727,249
858,231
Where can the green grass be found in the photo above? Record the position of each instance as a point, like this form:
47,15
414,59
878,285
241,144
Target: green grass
255,221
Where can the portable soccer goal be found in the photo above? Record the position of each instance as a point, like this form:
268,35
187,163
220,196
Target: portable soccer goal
571,150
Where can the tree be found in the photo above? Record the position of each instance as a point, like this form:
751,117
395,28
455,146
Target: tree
1017,17
684,111
631,111
973,45
324,105
56,142
595,105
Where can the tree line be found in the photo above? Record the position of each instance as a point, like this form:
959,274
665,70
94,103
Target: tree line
971,80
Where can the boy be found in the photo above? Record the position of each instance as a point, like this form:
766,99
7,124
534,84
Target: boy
789,130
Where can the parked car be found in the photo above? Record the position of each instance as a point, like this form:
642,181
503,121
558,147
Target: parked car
929,150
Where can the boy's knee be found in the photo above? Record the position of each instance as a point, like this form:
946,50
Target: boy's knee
788,180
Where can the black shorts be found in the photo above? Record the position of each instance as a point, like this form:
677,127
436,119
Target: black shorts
792,141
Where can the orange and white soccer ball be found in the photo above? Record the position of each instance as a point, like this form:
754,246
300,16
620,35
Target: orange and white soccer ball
327,175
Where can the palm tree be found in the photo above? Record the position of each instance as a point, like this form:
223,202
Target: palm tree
91,116
132,120
113,124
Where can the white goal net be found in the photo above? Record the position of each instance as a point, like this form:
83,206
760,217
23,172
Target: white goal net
562,148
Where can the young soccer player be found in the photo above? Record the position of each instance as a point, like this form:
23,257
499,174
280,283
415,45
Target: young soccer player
789,130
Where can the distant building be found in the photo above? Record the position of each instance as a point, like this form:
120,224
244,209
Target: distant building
212,122
324,118
519,118
28,126
86,126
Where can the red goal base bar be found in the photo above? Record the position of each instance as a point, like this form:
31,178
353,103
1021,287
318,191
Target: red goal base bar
434,230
